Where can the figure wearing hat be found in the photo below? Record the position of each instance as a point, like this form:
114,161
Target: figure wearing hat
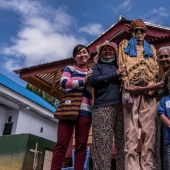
107,115
139,57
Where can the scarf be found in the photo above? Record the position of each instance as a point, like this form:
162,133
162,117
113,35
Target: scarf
131,49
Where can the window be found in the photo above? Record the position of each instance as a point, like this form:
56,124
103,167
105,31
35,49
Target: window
9,118
41,130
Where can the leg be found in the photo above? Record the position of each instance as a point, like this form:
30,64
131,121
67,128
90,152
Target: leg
102,127
119,137
147,120
166,160
159,144
131,136
65,131
168,156
81,136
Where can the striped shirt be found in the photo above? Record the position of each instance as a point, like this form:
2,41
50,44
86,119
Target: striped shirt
72,80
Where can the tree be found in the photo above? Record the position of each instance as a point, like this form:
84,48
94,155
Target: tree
47,97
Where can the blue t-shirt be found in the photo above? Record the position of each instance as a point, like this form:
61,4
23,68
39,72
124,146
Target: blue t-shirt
164,108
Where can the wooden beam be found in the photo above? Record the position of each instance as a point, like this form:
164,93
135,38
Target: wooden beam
57,85
41,81
56,73
38,84
57,94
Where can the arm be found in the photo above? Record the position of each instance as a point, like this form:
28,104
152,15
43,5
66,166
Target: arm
161,112
121,61
121,58
165,120
154,55
152,87
139,89
97,81
67,82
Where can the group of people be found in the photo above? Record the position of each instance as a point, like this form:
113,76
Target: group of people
134,67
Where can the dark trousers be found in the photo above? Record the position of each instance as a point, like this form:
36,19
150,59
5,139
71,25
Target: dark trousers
65,131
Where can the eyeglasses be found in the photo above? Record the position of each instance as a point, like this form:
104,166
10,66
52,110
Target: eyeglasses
136,30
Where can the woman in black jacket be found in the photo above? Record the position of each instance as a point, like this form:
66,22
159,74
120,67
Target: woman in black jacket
107,115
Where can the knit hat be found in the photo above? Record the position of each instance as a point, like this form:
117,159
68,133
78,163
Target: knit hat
136,23
99,47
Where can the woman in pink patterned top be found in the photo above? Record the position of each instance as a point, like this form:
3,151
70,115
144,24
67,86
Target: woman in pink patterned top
73,80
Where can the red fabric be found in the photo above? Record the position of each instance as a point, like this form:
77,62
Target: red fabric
65,131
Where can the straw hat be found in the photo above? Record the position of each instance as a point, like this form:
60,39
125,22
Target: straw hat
136,23
99,47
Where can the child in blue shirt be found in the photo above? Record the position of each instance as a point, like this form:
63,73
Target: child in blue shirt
164,113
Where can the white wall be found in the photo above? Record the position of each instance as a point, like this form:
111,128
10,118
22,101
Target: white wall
3,113
29,122
14,114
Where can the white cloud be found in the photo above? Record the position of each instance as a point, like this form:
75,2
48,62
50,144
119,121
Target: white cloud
25,7
92,29
44,35
160,11
125,6
11,63
156,15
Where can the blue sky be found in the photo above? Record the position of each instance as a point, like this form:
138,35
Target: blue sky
33,32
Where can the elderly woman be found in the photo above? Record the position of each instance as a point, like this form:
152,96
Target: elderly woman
161,150
164,62
107,115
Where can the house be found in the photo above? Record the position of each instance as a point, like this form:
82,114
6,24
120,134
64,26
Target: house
27,127
46,76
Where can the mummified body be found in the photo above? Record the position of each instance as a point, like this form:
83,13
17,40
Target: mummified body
139,57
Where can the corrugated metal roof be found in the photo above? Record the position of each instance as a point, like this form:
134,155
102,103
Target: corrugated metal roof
157,25
147,23
24,92
45,65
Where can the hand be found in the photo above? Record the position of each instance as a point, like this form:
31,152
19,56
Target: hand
134,89
120,70
89,73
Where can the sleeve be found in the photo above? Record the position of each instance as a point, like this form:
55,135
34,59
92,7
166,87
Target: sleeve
121,56
159,70
97,81
154,52
155,70
156,66
161,107
67,82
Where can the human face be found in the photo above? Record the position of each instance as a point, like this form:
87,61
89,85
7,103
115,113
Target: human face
164,59
107,52
168,84
139,33
82,57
